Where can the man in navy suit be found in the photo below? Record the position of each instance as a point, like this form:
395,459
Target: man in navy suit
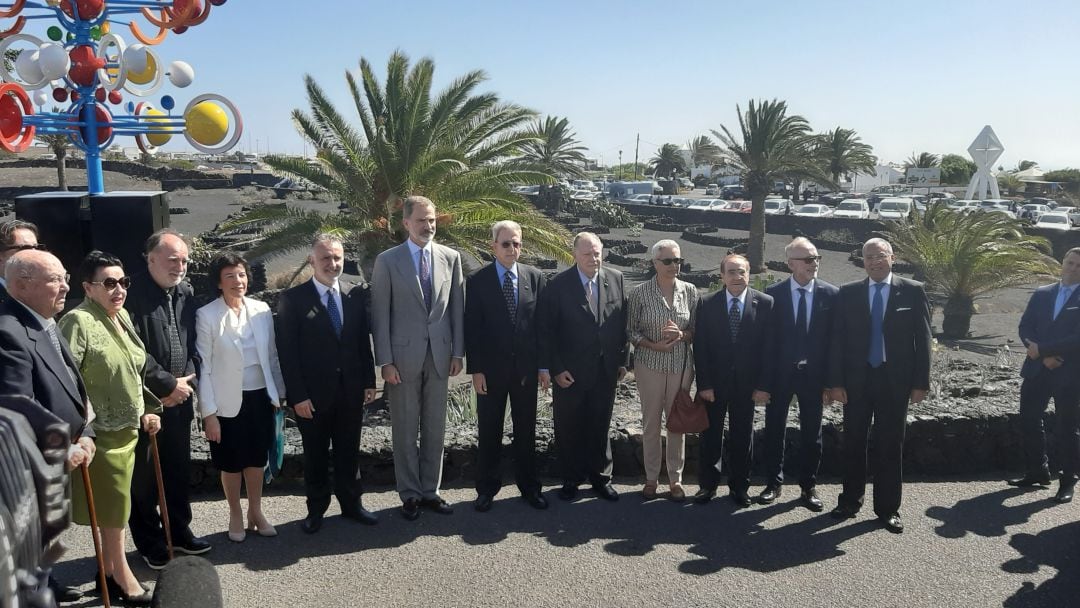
803,307
1050,328
879,361
733,354
502,354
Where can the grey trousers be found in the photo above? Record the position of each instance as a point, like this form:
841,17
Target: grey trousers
418,411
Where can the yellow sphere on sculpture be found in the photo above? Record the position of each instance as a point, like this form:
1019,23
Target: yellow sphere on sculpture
207,123
156,139
146,74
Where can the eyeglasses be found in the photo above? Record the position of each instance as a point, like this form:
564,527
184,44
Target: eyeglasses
39,247
509,244
810,259
111,283
669,261
52,278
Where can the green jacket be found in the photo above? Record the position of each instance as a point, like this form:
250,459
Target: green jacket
111,363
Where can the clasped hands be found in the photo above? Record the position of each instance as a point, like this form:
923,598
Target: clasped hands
565,379
1048,362
180,393
839,395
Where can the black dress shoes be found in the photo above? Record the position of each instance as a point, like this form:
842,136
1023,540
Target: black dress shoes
769,494
1065,491
844,512
192,546
410,509
741,498
606,492
311,523
1031,481
704,495
158,557
535,499
116,593
361,515
483,503
810,500
63,593
437,505
568,492
892,523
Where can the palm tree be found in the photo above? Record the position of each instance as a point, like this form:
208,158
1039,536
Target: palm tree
844,153
668,161
1009,182
457,148
59,144
923,160
771,146
703,151
556,148
1026,164
963,257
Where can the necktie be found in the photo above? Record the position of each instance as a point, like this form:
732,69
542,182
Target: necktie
800,327
332,310
425,278
1063,297
877,322
590,295
510,296
176,349
51,330
734,319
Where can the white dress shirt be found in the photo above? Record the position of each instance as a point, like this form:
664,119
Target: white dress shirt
323,290
741,298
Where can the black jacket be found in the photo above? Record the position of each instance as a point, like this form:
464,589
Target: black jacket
819,332
493,346
735,370
146,303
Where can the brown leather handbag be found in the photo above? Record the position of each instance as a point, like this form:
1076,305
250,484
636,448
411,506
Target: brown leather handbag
687,414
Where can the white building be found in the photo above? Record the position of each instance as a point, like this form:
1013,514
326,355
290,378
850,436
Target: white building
883,175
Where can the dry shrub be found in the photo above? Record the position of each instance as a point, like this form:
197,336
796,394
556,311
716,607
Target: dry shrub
283,279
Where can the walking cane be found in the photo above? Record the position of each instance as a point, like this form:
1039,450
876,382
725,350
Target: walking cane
161,494
94,531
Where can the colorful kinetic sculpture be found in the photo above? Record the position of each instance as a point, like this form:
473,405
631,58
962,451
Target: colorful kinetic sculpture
89,67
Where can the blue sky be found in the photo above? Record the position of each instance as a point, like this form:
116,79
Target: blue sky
907,76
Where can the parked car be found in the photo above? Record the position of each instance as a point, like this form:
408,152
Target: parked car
941,195
712,190
997,205
831,198
704,204
681,201
1072,212
583,195
854,208
640,199
962,205
732,206
894,208
1032,211
732,192
778,206
526,189
228,168
1054,221
813,210
745,207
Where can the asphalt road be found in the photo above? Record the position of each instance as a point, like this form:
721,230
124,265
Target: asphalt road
967,543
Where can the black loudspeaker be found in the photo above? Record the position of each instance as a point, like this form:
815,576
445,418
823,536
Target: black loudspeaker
72,224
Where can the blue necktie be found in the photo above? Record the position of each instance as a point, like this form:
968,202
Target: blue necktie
332,310
877,322
800,328
1063,297
734,320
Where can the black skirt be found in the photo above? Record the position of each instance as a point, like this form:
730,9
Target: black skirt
246,437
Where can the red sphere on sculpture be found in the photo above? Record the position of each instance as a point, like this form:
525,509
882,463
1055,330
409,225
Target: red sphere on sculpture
88,9
84,65
60,95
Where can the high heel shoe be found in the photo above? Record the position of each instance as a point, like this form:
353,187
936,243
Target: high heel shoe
267,530
234,535
117,593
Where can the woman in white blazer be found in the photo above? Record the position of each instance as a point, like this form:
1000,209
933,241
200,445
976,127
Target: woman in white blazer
240,385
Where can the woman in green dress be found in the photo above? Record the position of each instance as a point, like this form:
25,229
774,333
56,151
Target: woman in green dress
110,357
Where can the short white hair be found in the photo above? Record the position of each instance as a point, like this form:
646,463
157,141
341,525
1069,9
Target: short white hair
880,242
663,244
799,241
325,238
587,235
501,225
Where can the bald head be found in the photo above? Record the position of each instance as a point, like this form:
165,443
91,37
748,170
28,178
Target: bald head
38,280
167,258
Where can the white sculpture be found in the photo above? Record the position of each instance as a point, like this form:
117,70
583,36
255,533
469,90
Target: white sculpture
985,151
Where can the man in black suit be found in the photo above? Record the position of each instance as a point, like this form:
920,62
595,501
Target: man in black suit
733,354
324,344
501,354
879,361
1050,328
583,348
35,362
162,309
15,236
803,310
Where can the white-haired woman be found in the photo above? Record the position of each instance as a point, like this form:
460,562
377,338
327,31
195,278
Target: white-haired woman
660,325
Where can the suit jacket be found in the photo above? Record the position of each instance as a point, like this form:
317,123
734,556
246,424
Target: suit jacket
907,337
314,359
402,325
4,297
146,303
1056,337
30,366
819,332
570,337
222,372
493,346
749,360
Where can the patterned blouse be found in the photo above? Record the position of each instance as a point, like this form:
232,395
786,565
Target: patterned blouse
648,312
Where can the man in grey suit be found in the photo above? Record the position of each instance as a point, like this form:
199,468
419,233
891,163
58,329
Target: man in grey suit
418,310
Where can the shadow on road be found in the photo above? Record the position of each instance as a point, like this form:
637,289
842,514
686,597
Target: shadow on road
1056,548
987,515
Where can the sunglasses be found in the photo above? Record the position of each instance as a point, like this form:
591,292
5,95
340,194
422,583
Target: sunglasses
670,261
39,247
111,283
509,244
810,259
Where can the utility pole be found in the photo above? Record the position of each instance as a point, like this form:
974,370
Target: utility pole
636,145
620,165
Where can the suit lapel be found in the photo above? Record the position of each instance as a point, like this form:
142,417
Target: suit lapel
725,311
819,301
439,271
862,308
525,292
407,270
786,305
57,366
896,290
